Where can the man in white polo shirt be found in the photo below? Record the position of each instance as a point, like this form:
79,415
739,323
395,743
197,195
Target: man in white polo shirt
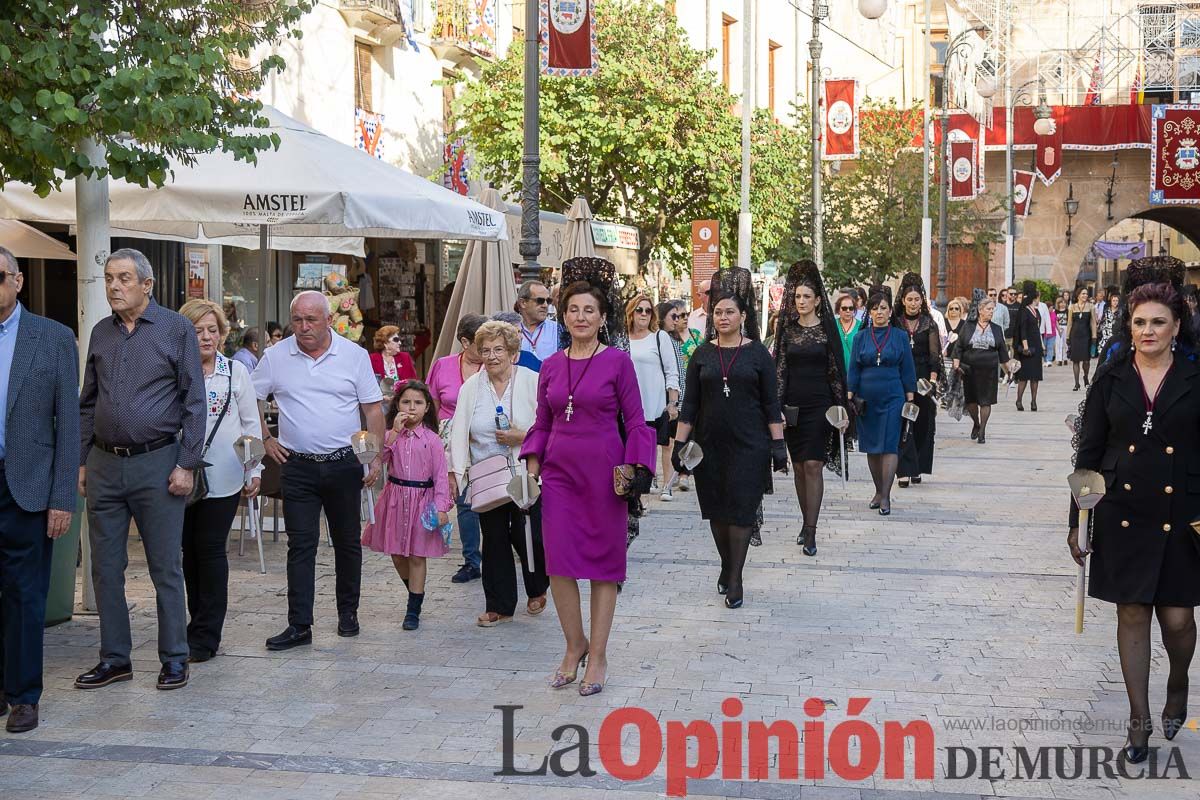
324,386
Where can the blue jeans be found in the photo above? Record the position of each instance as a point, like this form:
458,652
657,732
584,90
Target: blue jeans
468,531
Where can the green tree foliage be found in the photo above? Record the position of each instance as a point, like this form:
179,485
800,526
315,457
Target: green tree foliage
150,81
873,204
652,140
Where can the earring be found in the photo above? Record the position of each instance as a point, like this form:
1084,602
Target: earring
1172,344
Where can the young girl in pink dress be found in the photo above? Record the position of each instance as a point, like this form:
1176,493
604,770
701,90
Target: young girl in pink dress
417,477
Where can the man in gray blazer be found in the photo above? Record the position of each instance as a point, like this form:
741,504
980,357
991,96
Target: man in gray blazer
39,461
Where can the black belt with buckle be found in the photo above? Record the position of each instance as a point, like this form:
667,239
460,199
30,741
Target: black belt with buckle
340,454
125,451
425,484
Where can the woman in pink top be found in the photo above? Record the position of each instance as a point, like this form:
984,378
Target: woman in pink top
445,380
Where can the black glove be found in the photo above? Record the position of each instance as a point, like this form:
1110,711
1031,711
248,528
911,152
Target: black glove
779,456
676,464
860,406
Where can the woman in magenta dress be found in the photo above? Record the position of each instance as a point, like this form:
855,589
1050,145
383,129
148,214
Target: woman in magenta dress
574,444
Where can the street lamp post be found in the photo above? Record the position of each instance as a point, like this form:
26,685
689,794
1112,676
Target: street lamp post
1014,98
870,9
531,186
957,45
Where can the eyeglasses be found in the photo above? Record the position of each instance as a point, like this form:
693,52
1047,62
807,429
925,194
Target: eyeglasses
494,352
642,310
540,301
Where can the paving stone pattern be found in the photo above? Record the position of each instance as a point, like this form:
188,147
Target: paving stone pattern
957,609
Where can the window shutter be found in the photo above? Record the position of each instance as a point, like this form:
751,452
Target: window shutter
363,59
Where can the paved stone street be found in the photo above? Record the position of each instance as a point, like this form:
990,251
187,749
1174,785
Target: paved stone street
956,609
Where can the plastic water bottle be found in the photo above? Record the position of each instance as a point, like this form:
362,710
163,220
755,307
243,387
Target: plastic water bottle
502,423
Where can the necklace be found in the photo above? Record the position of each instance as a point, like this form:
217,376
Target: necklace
880,345
573,385
533,340
911,325
725,373
1149,401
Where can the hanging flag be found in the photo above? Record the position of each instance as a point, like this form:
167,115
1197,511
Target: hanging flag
1174,154
962,165
1049,150
567,38
1096,87
840,141
368,132
458,165
406,20
1022,192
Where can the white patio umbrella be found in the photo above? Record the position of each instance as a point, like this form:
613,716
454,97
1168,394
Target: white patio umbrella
25,241
485,283
311,186
579,231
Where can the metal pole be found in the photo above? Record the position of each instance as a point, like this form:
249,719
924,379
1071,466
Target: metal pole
531,244
926,222
1010,237
943,209
744,217
264,275
819,10
92,247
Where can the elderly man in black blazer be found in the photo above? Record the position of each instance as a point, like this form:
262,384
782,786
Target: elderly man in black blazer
39,462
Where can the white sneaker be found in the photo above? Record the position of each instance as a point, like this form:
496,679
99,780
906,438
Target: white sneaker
685,483
654,484
666,496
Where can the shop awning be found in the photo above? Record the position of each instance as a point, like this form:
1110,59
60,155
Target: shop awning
311,186
25,241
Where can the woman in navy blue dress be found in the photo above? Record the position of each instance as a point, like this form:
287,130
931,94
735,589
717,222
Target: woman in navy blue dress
881,378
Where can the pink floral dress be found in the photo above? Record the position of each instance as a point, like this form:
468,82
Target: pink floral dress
417,475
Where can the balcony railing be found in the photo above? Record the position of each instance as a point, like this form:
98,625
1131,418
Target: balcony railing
384,10
464,25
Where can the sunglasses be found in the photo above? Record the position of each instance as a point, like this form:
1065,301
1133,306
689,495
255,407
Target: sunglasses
541,301
845,308
394,340
642,311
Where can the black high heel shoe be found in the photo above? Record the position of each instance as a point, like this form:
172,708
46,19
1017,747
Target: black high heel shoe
1136,754
809,540
1172,723
1019,406
733,597
873,504
1033,405
722,583
883,512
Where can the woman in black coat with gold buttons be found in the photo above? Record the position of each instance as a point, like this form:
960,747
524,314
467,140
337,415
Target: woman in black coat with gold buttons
1141,430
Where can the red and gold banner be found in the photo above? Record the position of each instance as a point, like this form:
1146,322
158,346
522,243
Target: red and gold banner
567,38
962,165
840,141
1174,154
1022,192
1049,151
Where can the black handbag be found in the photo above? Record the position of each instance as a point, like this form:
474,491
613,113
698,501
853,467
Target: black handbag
791,416
199,475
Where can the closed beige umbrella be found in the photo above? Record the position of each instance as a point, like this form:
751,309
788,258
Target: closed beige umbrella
485,283
579,231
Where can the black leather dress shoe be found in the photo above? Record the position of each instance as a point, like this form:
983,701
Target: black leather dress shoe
173,675
466,573
348,624
22,718
102,675
293,636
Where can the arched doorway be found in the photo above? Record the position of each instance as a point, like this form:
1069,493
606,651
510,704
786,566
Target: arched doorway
1169,230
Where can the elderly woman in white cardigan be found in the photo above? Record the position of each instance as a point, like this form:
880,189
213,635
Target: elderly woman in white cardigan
496,407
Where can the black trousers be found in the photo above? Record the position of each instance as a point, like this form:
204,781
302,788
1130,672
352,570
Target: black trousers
25,552
503,531
206,569
308,487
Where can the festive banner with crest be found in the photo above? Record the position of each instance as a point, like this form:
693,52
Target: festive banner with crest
368,132
567,38
962,165
1049,150
840,141
1174,156
1022,192
457,177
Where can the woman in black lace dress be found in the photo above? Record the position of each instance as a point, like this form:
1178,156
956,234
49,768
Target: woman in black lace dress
1027,342
811,374
911,315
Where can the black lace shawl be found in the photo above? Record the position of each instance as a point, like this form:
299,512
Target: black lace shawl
789,331
733,280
